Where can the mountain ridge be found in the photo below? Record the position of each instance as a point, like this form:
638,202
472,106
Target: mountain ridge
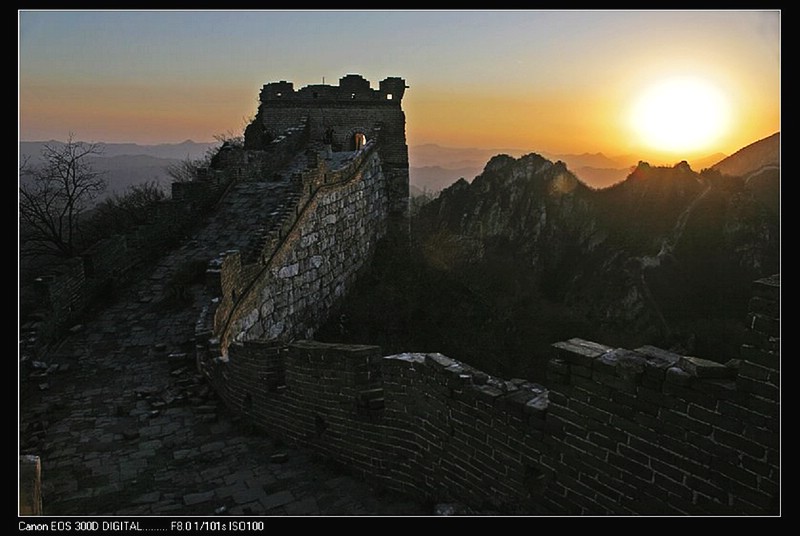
527,254
432,166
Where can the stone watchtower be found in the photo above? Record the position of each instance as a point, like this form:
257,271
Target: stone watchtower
346,117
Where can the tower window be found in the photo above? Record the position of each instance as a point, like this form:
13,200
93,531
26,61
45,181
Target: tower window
352,95
388,96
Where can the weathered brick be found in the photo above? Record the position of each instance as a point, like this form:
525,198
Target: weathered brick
756,372
626,489
558,366
764,306
769,487
762,405
578,370
602,441
686,422
613,381
592,387
633,429
574,392
558,397
649,421
582,464
665,469
589,505
738,442
762,436
590,411
571,421
611,407
689,459
708,488
712,447
586,446
716,419
761,323
630,466
744,507
687,394
718,389
672,486
593,483
655,451
742,413
759,356
764,389
758,467
634,455
725,474
762,501
658,398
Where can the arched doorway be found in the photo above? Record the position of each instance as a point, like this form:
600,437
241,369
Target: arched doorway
359,141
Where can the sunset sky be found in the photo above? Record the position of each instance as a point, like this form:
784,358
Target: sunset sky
549,81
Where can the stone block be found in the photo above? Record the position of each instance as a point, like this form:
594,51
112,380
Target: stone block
703,368
191,499
580,352
678,376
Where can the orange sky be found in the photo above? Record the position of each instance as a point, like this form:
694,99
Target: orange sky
549,81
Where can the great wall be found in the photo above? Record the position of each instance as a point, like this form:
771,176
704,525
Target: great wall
296,213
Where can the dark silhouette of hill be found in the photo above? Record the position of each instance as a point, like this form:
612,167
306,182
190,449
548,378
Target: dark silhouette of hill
526,254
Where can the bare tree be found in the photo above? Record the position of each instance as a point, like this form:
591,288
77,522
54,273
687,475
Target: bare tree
53,196
186,170
120,213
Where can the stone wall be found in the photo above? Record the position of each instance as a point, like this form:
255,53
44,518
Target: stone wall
617,432
306,261
61,296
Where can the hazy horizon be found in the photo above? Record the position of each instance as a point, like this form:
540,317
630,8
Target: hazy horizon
619,160
549,81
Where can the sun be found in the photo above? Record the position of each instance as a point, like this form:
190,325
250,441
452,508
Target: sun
680,114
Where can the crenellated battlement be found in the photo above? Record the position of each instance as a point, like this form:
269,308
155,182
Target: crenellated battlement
616,431
352,89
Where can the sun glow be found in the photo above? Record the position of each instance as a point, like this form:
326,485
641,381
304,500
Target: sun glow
682,114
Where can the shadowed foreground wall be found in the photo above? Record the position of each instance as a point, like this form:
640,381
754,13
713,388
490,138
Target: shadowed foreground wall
618,431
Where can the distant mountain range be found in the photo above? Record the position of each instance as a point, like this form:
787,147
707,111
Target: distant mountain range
433,167
127,164
177,151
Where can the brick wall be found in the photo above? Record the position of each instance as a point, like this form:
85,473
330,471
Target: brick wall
618,431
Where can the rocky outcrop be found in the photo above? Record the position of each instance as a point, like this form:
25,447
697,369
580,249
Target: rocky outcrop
643,259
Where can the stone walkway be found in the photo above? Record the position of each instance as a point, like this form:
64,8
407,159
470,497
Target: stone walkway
125,426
